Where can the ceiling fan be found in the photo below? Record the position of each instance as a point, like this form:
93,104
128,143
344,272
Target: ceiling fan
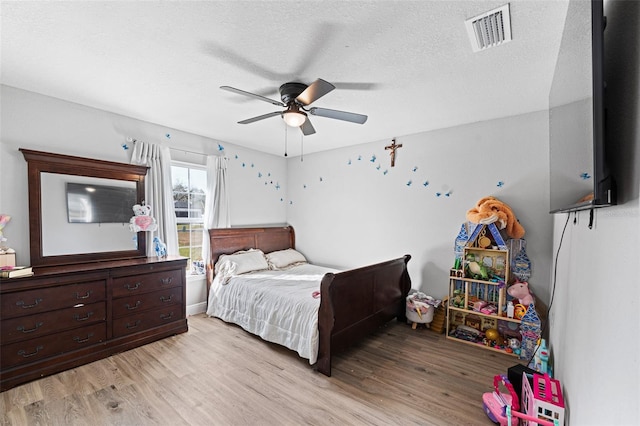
296,97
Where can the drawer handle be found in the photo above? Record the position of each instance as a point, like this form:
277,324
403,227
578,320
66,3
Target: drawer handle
134,325
24,353
86,296
167,280
135,287
31,330
78,318
166,317
166,299
85,340
131,308
23,306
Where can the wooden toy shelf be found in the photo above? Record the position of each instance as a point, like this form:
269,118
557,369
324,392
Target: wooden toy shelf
489,348
500,318
478,300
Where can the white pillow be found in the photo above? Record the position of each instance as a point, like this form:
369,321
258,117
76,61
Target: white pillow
283,258
243,262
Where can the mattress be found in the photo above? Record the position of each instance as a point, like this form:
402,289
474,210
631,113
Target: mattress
279,306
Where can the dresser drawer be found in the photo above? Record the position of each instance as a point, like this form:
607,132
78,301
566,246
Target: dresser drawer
139,284
37,349
48,299
146,320
31,326
143,302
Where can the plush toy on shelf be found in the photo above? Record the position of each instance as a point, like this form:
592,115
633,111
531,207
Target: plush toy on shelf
491,210
520,290
457,300
476,269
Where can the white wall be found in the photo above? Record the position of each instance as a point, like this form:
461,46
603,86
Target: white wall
349,215
594,321
42,123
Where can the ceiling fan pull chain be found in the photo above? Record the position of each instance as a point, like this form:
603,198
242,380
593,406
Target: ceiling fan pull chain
285,139
301,148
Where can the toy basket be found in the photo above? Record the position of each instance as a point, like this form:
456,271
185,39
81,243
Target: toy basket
438,324
420,309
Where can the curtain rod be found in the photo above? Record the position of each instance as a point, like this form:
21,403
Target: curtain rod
132,140
190,152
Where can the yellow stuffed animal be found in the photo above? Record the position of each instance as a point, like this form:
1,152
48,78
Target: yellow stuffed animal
491,210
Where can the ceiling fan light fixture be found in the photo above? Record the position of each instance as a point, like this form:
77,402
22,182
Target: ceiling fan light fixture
295,97
294,118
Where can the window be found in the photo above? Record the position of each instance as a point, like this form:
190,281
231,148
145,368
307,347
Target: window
189,194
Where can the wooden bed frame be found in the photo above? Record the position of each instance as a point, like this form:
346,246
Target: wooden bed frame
353,303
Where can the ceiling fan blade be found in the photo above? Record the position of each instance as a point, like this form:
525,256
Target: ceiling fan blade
307,128
338,115
321,39
252,95
260,117
356,86
315,91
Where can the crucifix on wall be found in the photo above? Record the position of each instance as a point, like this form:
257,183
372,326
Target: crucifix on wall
393,148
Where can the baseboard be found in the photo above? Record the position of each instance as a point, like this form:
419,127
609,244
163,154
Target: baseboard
197,308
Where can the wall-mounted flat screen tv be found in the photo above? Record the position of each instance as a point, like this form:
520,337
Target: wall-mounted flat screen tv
87,203
579,175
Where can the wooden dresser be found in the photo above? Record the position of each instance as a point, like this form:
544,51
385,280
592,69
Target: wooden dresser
66,316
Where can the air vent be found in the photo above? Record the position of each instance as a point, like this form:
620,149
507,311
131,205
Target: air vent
489,29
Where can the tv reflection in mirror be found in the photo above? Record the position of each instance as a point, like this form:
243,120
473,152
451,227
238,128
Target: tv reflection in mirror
88,203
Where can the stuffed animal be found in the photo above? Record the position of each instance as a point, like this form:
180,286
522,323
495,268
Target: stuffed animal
477,270
491,210
520,291
458,299
159,247
4,219
142,219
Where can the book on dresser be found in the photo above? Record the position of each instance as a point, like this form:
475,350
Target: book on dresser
16,271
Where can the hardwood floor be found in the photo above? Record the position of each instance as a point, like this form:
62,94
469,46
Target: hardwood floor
218,374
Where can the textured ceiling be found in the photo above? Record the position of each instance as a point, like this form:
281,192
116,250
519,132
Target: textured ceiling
408,65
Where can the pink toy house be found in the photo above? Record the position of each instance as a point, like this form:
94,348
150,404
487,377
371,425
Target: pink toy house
544,401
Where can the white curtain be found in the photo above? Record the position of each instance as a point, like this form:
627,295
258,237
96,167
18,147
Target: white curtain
159,193
216,210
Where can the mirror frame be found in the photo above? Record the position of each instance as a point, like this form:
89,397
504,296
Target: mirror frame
43,162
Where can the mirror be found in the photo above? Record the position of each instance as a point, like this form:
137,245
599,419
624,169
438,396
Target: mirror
66,212
56,240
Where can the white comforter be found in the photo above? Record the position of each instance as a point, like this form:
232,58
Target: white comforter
278,306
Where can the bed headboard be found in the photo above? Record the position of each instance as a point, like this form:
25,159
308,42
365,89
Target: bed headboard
267,239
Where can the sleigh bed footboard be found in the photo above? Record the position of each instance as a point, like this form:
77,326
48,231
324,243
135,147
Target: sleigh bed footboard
355,303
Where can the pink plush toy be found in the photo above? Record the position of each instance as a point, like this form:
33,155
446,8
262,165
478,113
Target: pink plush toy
520,291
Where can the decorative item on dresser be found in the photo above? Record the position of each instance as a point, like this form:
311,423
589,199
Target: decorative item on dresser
15,271
66,316
352,303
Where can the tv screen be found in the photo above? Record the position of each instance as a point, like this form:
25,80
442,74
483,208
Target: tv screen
579,177
87,203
